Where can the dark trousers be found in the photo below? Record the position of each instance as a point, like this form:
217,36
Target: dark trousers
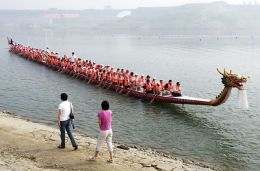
65,125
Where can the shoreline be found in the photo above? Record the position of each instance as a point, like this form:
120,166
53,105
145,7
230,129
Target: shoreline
28,145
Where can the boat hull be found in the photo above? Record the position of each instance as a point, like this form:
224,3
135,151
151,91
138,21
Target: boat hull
125,91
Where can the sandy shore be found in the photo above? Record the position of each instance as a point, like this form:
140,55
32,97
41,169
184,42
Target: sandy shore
25,145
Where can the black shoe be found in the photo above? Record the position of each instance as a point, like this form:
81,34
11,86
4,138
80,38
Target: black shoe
75,148
61,147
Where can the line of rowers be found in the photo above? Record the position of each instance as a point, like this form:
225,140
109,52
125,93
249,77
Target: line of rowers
120,77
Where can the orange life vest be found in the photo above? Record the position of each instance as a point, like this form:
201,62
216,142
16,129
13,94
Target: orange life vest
115,78
109,77
157,88
170,87
126,81
148,87
103,76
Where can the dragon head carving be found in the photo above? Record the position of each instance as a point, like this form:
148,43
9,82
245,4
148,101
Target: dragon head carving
233,80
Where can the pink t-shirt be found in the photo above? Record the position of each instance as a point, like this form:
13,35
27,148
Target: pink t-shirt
106,119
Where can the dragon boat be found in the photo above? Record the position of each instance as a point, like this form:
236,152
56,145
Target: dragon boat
229,80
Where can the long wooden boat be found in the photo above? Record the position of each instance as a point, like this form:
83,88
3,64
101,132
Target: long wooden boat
229,81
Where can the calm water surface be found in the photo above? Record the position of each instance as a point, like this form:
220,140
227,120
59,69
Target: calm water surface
223,136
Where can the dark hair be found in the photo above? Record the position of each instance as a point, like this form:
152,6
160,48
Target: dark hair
105,105
73,53
64,96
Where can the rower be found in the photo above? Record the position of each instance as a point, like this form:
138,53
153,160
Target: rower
170,86
131,79
162,85
103,75
109,77
140,83
166,90
120,79
148,87
135,83
154,82
157,89
126,81
147,78
114,78
177,90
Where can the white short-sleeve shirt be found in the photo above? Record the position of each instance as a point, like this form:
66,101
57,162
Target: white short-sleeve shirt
73,58
65,110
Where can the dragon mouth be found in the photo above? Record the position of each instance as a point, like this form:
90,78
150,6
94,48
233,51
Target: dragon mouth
240,85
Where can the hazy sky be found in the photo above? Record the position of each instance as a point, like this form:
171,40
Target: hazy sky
99,4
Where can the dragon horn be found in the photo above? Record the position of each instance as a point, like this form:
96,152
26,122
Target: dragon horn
225,73
220,72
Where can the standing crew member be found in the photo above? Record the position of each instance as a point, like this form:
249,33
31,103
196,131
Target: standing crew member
73,57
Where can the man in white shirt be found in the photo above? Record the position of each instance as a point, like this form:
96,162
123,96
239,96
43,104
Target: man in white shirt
73,57
48,51
64,123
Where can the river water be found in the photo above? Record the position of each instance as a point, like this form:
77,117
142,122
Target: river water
225,136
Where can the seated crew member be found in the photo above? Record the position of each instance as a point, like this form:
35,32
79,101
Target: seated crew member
96,75
114,78
126,81
103,75
127,73
135,81
140,83
111,70
154,82
148,87
177,90
117,70
120,79
89,72
157,89
170,86
109,76
122,71
147,78
166,91
131,79
162,85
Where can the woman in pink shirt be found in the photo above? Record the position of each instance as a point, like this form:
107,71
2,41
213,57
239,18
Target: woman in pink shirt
105,120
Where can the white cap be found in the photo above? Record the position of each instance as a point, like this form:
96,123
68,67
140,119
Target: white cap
154,78
136,74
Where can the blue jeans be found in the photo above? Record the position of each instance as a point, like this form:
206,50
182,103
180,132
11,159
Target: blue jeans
65,125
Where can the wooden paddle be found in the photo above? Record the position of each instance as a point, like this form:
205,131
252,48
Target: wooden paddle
104,85
121,91
89,80
128,92
117,89
109,86
153,99
100,83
